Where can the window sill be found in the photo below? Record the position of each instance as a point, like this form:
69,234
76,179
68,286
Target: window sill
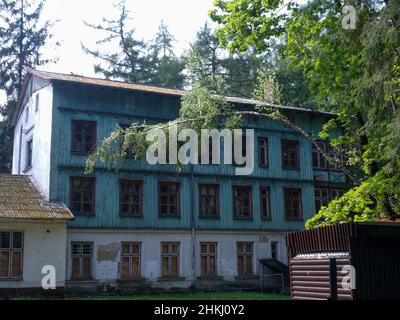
171,278
81,281
266,218
84,214
12,279
294,219
210,217
210,278
291,169
247,277
169,216
131,280
79,153
126,215
243,218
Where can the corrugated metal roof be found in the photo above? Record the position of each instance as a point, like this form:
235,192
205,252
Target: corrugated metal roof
20,199
52,76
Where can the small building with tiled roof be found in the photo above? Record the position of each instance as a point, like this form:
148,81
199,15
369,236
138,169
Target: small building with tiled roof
33,234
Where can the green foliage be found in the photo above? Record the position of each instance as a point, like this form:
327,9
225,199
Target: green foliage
354,73
21,38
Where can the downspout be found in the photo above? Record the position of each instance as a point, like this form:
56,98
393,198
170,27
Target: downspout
193,225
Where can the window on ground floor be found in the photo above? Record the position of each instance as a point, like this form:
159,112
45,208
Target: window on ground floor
244,258
170,259
274,249
130,260
208,259
82,257
11,249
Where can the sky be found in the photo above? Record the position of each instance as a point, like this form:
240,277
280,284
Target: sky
182,17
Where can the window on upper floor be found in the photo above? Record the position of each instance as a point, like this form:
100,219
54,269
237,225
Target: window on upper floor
263,152
83,195
292,203
11,250
130,192
253,119
244,252
83,139
324,195
209,200
29,154
265,203
208,259
170,259
290,154
242,202
129,153
37,100
130,260
319,161
82,260
168,199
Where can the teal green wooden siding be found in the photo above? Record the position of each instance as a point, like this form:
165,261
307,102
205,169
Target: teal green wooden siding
110,107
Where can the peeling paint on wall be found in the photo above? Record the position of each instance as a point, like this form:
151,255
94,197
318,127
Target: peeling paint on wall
108,252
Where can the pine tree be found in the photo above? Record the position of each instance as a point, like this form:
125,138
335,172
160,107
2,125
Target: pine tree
167,67
236,74
131,61
21,38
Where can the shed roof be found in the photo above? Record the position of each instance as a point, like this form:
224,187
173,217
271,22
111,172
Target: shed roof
20,199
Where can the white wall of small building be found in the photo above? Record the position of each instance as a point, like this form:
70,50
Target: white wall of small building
44,244
38,128
105,270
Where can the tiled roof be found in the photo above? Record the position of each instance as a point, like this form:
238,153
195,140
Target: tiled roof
49,76
20,199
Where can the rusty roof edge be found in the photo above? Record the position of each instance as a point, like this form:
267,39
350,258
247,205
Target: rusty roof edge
52,76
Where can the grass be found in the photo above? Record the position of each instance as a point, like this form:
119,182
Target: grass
219,295
237,295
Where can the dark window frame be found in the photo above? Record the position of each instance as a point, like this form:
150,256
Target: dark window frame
300,204
177,201
74,148
130,256
207,256
81,256
93,199
253,119
216,187
263,145
250,190
130,203
170,255
284,149
328,149
274,250
262,213
29,154
331,193
10,250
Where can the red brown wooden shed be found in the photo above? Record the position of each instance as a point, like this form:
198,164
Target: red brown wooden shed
349,261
